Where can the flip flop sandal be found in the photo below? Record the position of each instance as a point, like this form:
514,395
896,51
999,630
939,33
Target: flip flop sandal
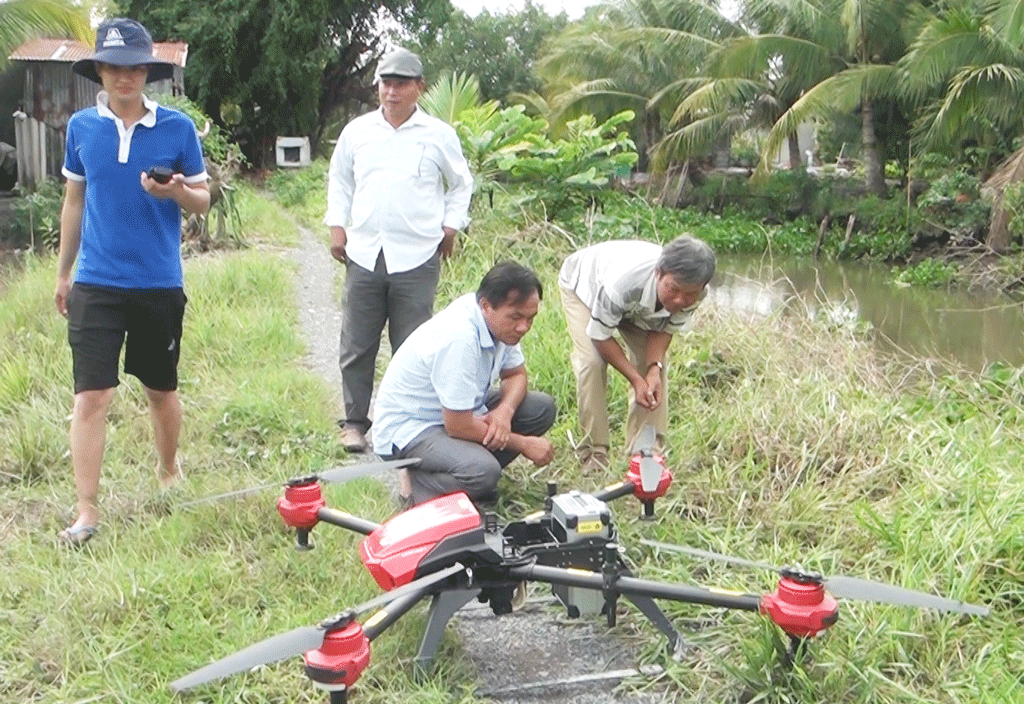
77,536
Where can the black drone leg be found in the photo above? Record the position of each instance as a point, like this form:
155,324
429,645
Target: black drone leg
442,608
302,543
655,615
797,649
339,696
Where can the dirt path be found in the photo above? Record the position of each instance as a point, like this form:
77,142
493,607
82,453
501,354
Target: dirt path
532,655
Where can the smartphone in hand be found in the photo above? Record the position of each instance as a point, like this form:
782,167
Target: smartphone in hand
160,174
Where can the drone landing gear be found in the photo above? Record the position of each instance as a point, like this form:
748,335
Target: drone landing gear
442,608
656,616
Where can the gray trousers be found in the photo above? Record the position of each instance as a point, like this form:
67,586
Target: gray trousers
448,465
404,301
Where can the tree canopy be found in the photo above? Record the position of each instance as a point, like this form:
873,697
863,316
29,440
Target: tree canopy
283,66
499,49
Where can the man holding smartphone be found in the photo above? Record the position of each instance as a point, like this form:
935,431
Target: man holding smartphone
124,229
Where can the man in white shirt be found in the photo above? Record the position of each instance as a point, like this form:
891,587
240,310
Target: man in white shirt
437,399
399,189
645,292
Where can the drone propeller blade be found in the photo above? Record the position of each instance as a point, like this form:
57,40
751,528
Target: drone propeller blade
865,590
709,555
848,587
299,640
279,647
650,473
239,492
644,443
413,586
338,474
343,474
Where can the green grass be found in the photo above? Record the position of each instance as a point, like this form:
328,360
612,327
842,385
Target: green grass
791,441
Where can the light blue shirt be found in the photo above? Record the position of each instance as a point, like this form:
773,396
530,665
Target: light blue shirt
451,361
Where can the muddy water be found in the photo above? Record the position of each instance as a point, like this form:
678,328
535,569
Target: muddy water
971,330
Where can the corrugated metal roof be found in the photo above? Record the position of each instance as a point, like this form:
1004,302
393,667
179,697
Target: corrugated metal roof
69,51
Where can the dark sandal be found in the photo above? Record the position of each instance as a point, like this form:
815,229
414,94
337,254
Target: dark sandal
77,536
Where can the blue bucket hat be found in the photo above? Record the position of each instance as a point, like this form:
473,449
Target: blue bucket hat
123,42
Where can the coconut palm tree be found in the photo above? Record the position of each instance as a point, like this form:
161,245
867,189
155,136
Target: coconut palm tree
635,55
21,20
821,57
967,68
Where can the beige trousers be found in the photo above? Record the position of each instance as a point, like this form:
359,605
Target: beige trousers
592,380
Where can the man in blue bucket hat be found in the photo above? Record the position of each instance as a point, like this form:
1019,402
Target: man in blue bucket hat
132,167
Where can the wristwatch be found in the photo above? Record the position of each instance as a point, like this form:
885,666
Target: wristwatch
659,365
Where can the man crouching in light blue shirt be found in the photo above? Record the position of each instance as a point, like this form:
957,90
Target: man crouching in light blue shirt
436,401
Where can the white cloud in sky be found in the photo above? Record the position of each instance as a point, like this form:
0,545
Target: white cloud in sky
573,8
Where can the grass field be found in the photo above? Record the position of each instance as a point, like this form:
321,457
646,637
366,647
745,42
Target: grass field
791,441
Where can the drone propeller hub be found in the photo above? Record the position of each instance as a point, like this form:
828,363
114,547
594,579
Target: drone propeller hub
635,475
299,505
341,659
801,607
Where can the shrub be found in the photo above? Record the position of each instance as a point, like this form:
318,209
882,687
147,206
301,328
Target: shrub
292,187
577,169
216,145
35,217
1013,203
928,272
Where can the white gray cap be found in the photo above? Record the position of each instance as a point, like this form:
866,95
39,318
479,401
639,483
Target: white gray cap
400,62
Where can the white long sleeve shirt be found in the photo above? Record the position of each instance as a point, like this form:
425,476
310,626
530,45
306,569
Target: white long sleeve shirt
394,189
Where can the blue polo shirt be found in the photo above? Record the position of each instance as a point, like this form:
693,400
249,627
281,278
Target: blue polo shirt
130,239
451,361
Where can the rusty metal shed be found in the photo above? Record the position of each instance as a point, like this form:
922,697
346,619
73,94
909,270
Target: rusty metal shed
53,92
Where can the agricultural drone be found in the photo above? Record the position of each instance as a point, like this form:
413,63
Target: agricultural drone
449,551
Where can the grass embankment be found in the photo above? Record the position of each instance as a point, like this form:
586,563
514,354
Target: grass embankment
790,441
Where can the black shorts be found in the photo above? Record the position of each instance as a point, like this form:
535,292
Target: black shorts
100,318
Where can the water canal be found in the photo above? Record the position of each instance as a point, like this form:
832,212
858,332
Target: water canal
972,330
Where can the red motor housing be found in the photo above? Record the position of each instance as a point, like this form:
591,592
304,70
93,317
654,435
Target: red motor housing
801,608
299,505
633,476
341,659
393,552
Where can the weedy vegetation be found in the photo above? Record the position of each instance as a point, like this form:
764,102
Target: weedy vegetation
791,440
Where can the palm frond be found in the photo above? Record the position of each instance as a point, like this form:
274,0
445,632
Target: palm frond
696,138
803,61
956,39
989,94
449,97
841,93
1007,18
719,96
21,20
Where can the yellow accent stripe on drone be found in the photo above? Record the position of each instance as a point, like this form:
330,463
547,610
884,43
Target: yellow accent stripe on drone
376,618
588,527
576,570
725,592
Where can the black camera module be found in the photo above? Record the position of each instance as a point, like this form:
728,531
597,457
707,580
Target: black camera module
160,174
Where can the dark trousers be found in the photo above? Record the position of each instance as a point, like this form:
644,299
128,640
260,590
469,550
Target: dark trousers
404,301
448,465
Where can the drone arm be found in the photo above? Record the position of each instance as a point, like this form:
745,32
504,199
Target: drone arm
383,619
615,492
346,520
631,586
